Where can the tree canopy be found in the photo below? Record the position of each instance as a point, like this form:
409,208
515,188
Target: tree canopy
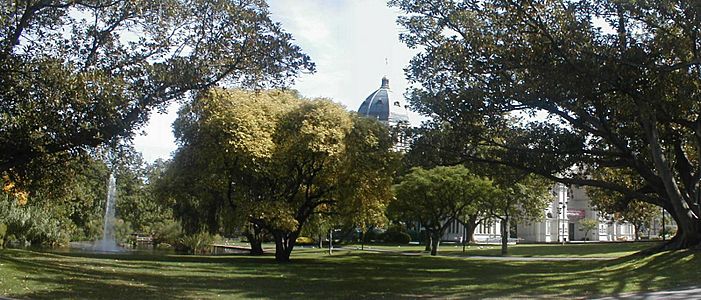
438,196
276,159
563,88
77,74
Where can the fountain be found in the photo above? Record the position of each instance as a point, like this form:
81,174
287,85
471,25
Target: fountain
108,242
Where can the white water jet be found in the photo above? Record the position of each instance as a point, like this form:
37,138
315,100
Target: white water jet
108,242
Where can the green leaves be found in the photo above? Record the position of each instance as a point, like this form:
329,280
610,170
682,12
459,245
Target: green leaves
565,88
437,196
84,73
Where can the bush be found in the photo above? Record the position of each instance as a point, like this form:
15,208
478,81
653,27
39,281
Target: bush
669,231
168,231
3,231
397,233
199,243
122,231
33,225
304,240
372,235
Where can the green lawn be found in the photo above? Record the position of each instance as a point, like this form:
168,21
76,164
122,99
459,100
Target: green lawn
346,274
602,250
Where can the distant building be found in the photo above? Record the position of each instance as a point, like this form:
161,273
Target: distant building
486,232
386,108
561,221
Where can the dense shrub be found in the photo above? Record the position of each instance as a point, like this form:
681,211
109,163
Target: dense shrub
304,240
122,230
3,231
398,234
373,235
199,243
166,232
33,225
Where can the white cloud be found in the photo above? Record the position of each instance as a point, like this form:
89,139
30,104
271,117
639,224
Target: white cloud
349,42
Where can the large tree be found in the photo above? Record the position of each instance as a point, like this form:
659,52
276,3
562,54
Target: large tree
607,84
77,74
278,159
438,196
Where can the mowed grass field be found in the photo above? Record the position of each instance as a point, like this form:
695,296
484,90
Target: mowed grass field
588,250
347,274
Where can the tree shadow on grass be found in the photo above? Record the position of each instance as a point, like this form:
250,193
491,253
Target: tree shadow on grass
347,274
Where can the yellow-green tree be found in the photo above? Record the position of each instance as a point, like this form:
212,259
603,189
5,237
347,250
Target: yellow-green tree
588,225
281,159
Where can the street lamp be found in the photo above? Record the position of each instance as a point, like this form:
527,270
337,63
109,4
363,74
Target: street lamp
557,227
331,239
664,230
561,212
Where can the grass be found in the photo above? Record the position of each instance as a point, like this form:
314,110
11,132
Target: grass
589,250
346,274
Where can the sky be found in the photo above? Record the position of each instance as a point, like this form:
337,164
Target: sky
354,43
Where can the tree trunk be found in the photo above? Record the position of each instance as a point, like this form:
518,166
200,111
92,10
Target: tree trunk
429,241
435,242
688,225
255,239
256,244
362,240
471,225
284,243
464,238
505,236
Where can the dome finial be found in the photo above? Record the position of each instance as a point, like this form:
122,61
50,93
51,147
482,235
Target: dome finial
385,82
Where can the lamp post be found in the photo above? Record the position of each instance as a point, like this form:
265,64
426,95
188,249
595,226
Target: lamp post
664,230
561,209
331,239
557,227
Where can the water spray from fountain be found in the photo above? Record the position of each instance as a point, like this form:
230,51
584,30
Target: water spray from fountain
108,242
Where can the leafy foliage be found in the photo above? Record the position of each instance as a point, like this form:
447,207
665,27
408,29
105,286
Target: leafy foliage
397,234
438,196
31,225
614,83
274,160
588,225
620,207
78,74
199,243
518,198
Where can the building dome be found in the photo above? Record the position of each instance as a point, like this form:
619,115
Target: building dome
382,105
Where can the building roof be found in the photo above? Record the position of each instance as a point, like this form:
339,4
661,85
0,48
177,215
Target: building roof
382,105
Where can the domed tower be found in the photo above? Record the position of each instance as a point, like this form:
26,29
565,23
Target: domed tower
383,106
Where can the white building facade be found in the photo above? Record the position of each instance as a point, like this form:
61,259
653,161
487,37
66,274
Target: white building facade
486,232
562,221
